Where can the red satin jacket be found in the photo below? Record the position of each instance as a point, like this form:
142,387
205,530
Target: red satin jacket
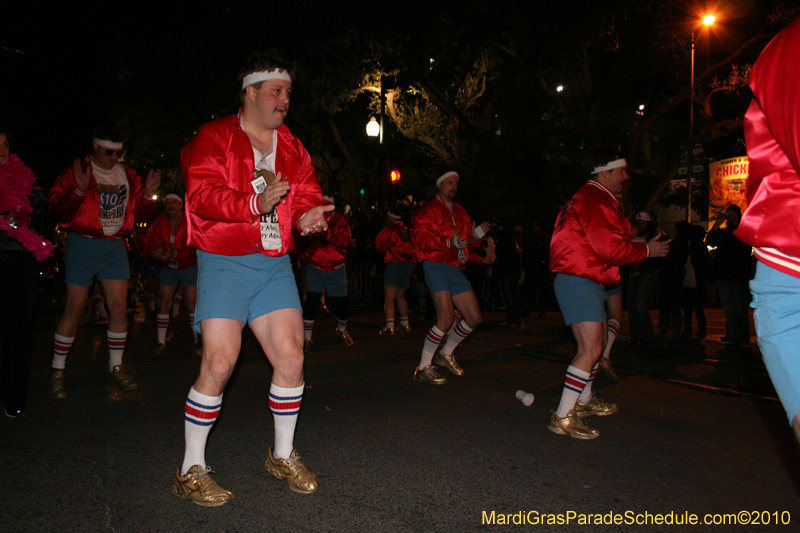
80,213
433,228
221,205
328,250
395,242
772,133
158,237
591,238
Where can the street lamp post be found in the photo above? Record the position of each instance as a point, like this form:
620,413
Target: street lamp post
707,21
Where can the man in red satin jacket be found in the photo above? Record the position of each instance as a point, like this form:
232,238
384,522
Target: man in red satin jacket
590,241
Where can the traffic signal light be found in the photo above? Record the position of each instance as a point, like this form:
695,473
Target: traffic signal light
394,176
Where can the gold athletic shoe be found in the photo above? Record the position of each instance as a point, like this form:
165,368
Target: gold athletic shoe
401,329
121,379
293,471
56,389
346,339
448,362
387,331
198,486
429,375
595,406
572,425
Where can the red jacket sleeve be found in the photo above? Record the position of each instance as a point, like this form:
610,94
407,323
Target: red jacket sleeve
607,237
64,195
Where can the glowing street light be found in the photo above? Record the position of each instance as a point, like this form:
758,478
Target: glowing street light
373,128
708,20
559,88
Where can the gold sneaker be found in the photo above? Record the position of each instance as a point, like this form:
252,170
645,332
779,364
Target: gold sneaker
448,362
293,471
346,339
401,329
387,331
121,379
198,486
572,425
595,406
607,369
429,375
56,389
307,346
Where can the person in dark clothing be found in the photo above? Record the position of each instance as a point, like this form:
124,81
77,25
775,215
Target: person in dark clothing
508,269
641,282
731,269
26,221
693,293
670,281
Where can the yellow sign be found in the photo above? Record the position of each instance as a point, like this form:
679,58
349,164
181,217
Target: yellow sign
727,185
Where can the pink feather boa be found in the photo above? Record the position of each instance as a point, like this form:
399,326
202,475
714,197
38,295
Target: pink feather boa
17,184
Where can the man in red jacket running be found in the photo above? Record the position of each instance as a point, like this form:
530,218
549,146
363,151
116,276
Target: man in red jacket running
443,236
98,201
590,242
249,182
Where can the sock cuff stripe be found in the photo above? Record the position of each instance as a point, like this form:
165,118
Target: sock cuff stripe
199,414
198,423
204,407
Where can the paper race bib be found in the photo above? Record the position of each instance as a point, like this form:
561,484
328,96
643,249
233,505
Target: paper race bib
270,231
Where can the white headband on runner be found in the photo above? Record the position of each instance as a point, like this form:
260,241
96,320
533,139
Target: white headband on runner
173,195
274,74
445,176
611,166
105,143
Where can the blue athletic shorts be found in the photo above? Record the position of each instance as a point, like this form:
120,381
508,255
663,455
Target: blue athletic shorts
776,300
86,258
333,282
441,277
243,287
398,275
146,269
171,277
580,299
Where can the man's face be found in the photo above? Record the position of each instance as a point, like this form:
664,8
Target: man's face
271,102
4,149
106,157
615,179
448,187
173,206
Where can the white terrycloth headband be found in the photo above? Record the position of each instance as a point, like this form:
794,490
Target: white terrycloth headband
611,166
105,143
274,74
445,176
174,196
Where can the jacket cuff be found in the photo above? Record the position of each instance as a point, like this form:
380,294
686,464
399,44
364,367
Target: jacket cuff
80,192
254,205
648,250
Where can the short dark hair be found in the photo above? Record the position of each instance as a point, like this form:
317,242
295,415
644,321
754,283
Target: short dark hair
5,131
261,61
109,133
604,156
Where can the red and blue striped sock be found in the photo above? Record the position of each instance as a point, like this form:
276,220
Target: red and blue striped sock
61,346
586,395
116,347
162,323
285,406
459,332
308,329
574,383
200,413
432,341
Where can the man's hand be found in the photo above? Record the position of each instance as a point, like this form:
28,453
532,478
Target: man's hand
314,219
458,242
153,182
268,199
490,246
480,231
82,178
658,248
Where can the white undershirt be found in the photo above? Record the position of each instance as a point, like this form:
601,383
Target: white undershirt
114,192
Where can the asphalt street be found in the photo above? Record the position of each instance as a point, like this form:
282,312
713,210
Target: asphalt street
698,432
